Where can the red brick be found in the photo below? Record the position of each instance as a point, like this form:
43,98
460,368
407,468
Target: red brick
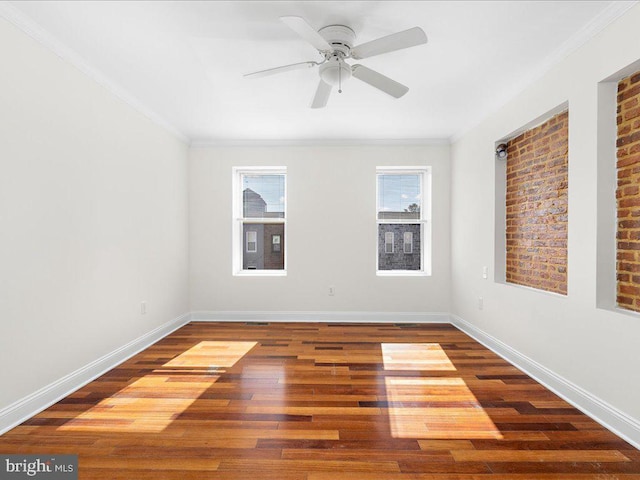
624,301
629,138
631,114
628,193
623,84
627,93
536,203
628,267
629,202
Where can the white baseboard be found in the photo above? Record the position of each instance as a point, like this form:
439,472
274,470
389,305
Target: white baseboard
32,404
607,415
330,317
610,417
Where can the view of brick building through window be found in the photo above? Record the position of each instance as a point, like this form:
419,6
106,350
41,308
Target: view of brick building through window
400,213
394,252
536,206
263,242
259,210
628,193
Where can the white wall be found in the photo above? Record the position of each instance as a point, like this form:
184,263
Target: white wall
331,232
595,349
93,219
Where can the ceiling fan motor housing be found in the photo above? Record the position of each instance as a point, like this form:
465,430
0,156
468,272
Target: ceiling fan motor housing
340,37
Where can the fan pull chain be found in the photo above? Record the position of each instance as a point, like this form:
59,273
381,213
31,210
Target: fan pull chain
339,77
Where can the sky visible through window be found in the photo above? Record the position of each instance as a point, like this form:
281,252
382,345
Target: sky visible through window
269,187
397,192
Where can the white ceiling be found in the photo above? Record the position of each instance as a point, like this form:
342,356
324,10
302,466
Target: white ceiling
181,63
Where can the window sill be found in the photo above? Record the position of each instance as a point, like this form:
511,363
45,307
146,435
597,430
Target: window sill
261,273
402,273
531,289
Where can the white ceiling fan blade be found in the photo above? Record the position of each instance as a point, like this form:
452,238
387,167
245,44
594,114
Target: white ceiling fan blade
284,68
379,81
306,31
321,97
396,41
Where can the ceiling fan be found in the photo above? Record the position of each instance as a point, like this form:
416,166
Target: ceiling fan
335,43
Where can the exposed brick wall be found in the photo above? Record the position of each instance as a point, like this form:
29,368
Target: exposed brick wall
628,193
536,205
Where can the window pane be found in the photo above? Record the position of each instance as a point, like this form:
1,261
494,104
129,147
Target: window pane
388,242
262,237
399,259
263,196
399,197
408,242
252,241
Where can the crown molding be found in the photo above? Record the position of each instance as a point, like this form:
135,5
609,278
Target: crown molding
609,14
598,23
35,31
318,142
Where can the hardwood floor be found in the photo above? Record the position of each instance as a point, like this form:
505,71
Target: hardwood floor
308,401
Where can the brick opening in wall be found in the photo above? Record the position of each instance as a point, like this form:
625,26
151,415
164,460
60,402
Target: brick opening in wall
537,206
628,193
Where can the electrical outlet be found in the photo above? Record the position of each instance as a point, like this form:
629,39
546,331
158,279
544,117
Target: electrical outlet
332,291
480,303
485,272
143,308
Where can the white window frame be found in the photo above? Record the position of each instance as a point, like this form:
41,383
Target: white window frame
238,220
424,172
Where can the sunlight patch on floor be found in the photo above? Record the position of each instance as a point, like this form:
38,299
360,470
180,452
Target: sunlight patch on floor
152,402
431,407
415,356
212,354
442,417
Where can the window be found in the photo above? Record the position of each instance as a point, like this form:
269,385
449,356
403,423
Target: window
408,242
259,212
403,210
275,243
388,242
252,241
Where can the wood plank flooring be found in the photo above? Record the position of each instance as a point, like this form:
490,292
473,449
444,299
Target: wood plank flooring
313,401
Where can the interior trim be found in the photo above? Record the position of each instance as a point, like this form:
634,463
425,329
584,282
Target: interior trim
35,31
599,410
602,412
25,408
331,317
315,142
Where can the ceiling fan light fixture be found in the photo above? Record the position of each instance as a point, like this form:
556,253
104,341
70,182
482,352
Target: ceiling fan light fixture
335,71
